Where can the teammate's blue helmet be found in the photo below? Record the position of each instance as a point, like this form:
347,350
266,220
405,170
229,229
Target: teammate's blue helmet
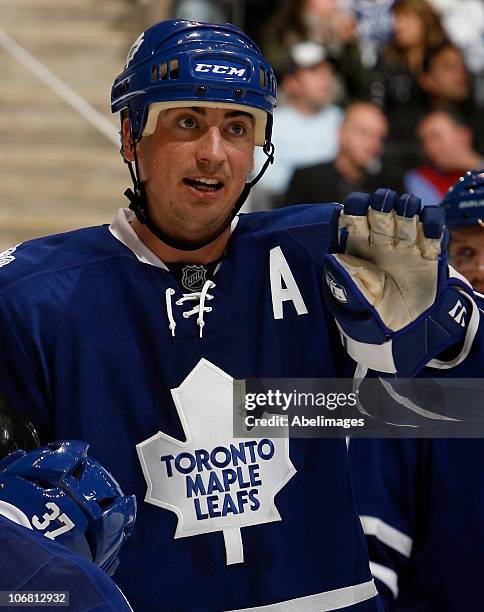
464,202
188,63
60,492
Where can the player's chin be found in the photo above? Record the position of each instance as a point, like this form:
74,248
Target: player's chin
204,230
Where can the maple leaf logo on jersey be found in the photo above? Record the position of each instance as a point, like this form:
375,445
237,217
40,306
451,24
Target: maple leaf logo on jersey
214,482
6,257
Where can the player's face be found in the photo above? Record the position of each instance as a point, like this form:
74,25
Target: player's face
466,251
194,168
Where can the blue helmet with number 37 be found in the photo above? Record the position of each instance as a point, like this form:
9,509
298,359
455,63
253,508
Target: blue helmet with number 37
60,492
188,63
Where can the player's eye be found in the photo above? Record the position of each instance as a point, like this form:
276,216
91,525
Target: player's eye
237,129
187,122
466,253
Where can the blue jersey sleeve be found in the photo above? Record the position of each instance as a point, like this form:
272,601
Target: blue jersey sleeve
421,504
385,480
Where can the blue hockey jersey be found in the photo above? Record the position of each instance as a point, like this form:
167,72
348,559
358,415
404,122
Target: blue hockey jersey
422,508
100,343
32,562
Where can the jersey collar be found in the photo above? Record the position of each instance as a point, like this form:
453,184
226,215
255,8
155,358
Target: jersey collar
121,229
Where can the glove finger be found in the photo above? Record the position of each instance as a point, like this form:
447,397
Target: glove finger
406,220
381,218
430,232
354,221
356,204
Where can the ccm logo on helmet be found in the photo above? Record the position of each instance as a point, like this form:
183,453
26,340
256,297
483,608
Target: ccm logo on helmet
220,69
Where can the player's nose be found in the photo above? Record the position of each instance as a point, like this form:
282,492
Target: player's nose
211,147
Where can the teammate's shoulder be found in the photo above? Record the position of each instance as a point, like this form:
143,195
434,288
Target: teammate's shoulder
290,218
45,562
52,254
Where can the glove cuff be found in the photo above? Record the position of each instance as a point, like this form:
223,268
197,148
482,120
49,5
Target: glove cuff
454,319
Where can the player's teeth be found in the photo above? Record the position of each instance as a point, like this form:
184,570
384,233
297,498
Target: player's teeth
205,184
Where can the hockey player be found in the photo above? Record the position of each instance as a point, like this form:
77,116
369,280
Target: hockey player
63,519
130,336
422,501
464,207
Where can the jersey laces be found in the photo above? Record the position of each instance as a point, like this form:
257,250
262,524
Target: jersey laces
200,297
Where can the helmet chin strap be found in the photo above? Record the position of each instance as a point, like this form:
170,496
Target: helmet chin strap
138,204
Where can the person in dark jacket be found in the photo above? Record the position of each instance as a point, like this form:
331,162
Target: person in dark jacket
357,166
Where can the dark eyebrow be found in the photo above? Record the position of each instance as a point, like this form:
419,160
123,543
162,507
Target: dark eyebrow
200,110
238,113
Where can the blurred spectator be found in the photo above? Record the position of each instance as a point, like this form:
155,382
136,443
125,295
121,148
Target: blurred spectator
447,144
417,28
357,165
306,127
375,23
444,75
464,23
323,21
447,83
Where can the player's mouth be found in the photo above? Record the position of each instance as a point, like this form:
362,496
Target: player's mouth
204,184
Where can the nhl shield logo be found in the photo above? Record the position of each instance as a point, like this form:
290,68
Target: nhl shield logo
194,277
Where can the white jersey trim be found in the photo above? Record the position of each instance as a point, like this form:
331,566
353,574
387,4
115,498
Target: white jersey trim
121,229
14,514
385,533
322,602
386,575
124,597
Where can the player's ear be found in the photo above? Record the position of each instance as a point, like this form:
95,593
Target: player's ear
126,138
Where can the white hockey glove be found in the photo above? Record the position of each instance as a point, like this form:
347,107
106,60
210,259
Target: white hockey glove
389,287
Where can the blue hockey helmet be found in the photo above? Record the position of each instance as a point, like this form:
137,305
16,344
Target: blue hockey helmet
178,63
60,492
464,202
